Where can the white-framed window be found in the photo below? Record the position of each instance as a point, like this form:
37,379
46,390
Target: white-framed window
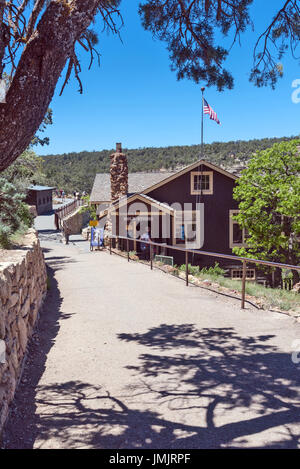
202,182
237,234
237,274
185,227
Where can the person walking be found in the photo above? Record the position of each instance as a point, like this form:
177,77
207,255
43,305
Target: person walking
56,221
145,248
66,231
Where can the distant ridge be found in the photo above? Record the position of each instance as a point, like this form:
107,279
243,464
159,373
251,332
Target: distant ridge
76,171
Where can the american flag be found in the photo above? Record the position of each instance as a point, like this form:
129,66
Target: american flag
208,110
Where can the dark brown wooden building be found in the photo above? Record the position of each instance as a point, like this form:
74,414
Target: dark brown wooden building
41,198
207,191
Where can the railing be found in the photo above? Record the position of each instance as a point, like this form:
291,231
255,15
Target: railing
243,260
68,208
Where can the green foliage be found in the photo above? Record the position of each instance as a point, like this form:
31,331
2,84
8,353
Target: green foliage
200,34
14,213
196,271
76,171
48,120
269,196
272,297
193,269
26,170
89,208
216,270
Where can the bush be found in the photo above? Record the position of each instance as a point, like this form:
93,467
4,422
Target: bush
193,269
196,272
14,213
216,270
89,208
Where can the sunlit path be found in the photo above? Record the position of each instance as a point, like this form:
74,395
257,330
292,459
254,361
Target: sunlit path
129,358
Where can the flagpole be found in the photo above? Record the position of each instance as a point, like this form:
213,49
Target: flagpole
202,126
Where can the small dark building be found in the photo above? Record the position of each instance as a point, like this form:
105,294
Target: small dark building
41,198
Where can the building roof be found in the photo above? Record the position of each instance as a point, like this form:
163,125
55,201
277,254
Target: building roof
137,182
40,188
147,182
196,165
130,198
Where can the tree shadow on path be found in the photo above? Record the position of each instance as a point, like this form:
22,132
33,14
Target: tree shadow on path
208,369
20,429
203,376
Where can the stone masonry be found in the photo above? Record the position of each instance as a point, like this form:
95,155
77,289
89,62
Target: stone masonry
118,174
118,183
23,286
76,221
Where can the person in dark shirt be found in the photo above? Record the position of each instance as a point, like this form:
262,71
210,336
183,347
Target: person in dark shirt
145,248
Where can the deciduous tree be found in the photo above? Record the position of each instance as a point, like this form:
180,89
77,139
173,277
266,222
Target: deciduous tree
269,196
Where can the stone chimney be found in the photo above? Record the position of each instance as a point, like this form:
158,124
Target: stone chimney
118,173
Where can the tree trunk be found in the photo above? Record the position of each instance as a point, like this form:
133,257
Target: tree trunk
38,71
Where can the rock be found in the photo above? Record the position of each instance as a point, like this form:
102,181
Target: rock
296,288
22,333
14,299
25,308
23,283
207,283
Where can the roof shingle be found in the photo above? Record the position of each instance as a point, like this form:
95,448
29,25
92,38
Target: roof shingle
137,182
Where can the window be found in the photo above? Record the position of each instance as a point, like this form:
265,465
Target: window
185,227
237,274
237,234
202,182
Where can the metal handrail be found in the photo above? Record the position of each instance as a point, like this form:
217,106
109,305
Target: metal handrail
243,260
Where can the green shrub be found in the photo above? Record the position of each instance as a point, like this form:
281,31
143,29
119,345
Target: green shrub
216,270
89,208
14,213
196,272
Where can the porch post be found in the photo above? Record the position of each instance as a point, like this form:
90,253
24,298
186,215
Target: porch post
244,284
151,256
187,269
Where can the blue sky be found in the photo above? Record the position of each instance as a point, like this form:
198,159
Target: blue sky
134,97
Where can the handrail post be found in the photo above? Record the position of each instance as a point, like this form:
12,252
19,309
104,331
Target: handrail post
127,247
187,268
110,243
244,283
151,256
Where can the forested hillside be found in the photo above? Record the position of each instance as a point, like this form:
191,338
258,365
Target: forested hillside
76,171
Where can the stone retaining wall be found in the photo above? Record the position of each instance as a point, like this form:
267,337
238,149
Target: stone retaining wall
23,286
76,221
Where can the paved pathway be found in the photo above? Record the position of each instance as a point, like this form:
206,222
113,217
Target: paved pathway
129,358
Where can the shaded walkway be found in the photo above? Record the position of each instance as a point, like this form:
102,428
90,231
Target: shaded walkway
129,358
